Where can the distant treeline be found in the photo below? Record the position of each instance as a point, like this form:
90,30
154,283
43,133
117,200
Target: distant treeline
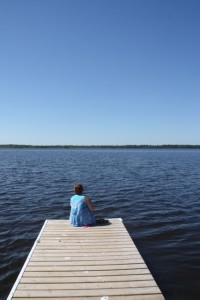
11,146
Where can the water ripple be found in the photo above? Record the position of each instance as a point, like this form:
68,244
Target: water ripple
155,192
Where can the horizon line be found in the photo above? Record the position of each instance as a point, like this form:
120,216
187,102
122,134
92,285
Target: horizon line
102,146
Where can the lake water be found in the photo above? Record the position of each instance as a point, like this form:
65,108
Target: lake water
155,192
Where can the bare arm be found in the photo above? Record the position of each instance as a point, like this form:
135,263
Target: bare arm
89,204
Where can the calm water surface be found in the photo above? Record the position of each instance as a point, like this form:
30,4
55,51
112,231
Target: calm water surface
155,192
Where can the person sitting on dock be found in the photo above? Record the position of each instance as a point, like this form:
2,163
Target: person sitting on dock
82,211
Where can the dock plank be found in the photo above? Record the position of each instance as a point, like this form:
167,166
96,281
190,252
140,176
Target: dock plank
100,262
87,292
103,273
132,297
67,279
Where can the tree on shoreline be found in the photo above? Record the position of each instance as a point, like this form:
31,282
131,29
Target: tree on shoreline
168,146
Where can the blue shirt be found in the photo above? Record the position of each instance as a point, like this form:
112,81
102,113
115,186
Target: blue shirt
80,215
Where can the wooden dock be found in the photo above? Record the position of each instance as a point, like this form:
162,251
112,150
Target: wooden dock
99,262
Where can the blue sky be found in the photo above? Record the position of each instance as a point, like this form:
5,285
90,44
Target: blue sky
99,72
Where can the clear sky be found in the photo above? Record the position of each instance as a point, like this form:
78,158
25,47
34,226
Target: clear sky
99,72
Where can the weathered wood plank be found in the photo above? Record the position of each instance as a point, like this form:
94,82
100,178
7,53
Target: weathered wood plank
84,273
85,247
85,292
85,231
87,286
85,252
85,268
86,260
57,279
68,262
132,297
85,239
85,242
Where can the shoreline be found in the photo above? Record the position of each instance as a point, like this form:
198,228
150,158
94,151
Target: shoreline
170,146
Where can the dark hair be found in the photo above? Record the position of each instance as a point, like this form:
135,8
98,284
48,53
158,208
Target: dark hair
78,189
